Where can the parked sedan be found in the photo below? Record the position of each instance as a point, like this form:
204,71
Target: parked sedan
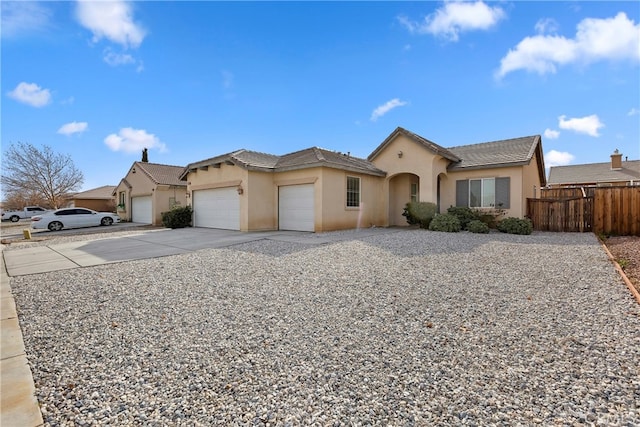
72,218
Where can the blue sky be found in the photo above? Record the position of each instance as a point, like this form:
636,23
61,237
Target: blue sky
191,80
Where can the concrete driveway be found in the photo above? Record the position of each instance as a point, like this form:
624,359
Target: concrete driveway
151,244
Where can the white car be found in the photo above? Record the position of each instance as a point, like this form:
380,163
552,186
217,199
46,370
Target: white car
72,218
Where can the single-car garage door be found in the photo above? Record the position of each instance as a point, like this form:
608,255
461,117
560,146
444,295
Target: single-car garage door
296,207
217,208
141,210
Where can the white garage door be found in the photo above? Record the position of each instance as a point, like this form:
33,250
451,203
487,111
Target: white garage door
296,207
141,210
217,208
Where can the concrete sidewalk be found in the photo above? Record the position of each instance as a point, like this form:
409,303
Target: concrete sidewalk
18,403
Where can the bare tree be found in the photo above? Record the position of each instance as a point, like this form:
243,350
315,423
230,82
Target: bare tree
28,171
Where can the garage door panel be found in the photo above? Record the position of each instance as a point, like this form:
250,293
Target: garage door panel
217,208
141,210
296,207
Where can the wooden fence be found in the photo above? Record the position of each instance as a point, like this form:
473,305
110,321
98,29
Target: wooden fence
605,210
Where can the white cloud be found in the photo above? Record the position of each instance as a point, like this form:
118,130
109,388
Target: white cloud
385,108
132,140
456,17
115,59
551,134
73,127
546,26
112,20
31,94
588,125
616,38
557,158
21,17
633,112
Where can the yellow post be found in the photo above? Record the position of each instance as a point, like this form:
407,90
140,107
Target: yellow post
26,233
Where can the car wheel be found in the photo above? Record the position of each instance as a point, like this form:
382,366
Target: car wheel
55,226
15,218
106,221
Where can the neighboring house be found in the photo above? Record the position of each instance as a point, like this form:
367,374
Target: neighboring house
320,190
99,199
149,189
614,173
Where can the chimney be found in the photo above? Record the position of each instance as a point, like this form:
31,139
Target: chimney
616,160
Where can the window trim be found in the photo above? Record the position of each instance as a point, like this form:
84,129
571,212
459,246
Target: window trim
482,193
349,193
414,197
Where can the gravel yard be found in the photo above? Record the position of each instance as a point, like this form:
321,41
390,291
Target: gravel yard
407,328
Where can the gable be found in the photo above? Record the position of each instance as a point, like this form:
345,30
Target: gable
417,139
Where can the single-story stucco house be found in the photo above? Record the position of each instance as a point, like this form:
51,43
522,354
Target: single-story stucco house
614,173
321,190
147,190
99,199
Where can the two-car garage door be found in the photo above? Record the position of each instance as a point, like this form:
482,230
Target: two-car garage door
217,208
220,208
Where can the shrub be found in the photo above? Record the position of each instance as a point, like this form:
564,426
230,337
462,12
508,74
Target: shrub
178,217
477,226
445,222
420,213
465,215
513,225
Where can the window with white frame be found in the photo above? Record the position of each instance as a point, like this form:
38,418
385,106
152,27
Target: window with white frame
353,192
121,198
482,193
414,192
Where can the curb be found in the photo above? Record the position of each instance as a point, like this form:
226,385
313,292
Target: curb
18,402
626,280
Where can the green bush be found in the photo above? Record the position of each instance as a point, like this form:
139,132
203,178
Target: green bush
178,217
420,213
513,225
465,215
477,226
445,222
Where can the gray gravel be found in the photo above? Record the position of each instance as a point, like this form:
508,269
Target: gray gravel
408,328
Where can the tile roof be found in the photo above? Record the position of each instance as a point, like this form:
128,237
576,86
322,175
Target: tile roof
104,192
315,156
432,146
593,173
307,158
508,152
162,174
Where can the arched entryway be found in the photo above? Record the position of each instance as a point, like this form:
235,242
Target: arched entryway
403,188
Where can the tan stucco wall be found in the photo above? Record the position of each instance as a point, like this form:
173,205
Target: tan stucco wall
161,198
335,213
262,204
530,183
415,159
259,200
448,187
142,185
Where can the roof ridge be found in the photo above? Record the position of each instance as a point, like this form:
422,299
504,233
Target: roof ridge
158,164
491,142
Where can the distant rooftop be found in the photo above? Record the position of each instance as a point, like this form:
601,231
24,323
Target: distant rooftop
104,192
594,173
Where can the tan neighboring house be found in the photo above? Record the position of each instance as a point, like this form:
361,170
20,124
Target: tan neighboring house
321,190
147,190
99,199
614,173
